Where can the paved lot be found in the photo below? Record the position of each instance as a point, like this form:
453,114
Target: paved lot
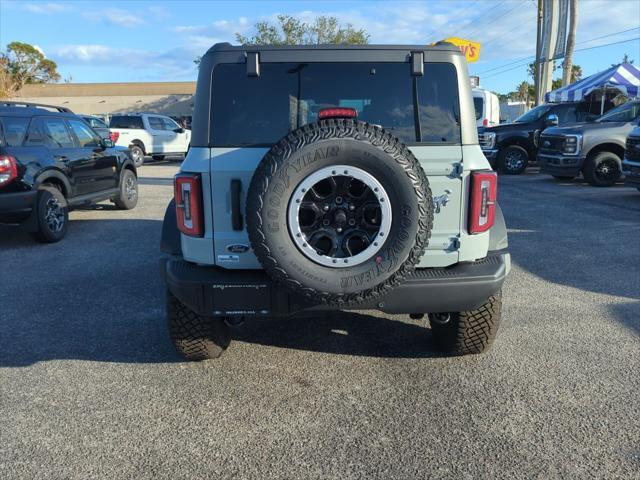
91,388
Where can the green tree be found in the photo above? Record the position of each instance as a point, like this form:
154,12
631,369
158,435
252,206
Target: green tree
22,64
292,31
625,59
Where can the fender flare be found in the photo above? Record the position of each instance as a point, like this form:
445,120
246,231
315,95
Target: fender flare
498,233
45,175
170,241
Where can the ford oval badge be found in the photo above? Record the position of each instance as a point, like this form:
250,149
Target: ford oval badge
238,248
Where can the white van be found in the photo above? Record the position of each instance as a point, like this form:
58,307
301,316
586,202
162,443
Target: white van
487,107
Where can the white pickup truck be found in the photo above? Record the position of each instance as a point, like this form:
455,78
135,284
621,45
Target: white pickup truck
149,134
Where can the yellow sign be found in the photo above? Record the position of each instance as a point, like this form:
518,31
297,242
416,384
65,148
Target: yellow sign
471,50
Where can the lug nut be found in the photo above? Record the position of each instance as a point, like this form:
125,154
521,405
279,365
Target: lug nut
325,208
352,222
339,200
326,222
339,229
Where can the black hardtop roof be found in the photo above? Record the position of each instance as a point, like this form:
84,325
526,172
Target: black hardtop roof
227,47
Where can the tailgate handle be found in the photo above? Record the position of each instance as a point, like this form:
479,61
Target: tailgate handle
236,214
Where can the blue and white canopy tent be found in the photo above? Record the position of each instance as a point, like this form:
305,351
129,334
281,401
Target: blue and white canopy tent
624,78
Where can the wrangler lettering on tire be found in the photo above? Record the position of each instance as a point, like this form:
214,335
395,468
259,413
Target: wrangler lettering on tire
339,211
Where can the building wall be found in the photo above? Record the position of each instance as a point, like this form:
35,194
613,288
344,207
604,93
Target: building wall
171,98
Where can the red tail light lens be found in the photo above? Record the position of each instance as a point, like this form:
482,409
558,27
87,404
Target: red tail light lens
8,169
337,113
484,194
485,122
114,136
188,196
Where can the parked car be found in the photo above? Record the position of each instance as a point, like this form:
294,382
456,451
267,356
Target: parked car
594,149
631,161
50,162
149,134
98,125
304,189
511,146
487,106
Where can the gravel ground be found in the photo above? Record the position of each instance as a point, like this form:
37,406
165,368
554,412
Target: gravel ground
90,386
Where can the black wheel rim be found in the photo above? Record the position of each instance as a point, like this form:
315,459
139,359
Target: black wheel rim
607,170
514,160
339,216
54,215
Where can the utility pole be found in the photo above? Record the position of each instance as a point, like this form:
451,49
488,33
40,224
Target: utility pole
538,70
571,42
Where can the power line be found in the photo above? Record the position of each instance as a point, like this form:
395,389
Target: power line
460,14
473,30
578,50
533,56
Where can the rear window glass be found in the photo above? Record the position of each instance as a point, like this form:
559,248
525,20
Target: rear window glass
478,103
260,111
13,130
126,121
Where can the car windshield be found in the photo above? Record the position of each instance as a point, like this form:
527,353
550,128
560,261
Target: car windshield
261,110
478,103
533,114
623,113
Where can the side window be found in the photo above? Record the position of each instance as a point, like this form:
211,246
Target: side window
86,137
35,135
156,123
56,133
567,114
169,124
13,131
96,123
439,104
126,121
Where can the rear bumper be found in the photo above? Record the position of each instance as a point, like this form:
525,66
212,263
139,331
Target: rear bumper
216,291
16,207
631,172
560,165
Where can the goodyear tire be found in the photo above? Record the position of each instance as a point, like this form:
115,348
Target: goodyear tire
339,211
468,332
194,336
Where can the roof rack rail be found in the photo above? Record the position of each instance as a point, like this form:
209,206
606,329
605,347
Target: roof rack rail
35,105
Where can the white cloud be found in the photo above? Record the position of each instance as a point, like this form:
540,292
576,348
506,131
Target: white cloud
46,8
115,16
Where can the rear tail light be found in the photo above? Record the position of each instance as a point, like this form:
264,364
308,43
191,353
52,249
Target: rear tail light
484,194
188,196
485,122
8,169
338,112
114,136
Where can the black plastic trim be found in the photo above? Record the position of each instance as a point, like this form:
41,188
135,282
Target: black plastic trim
217,291
237,222
170,242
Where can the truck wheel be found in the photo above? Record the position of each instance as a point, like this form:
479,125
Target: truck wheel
339,211
513,160
194,336
137,155
602,169
127,198
53,215
463,333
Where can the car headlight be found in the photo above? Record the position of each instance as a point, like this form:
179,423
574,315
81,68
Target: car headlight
571,144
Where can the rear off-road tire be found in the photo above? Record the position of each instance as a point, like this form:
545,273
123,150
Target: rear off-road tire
468,332
194,336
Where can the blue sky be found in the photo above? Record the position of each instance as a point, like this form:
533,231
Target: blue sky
127,41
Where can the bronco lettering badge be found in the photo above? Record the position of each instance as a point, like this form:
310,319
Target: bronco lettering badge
238,248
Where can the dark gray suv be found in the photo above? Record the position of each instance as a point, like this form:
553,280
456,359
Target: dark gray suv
594,149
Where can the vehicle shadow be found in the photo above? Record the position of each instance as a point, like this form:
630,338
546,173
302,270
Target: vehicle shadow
628,314
98,295
342,333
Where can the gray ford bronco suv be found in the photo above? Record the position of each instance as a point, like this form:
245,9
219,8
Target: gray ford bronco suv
334,178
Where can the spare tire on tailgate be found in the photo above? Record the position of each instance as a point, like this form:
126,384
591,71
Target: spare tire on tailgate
339,211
